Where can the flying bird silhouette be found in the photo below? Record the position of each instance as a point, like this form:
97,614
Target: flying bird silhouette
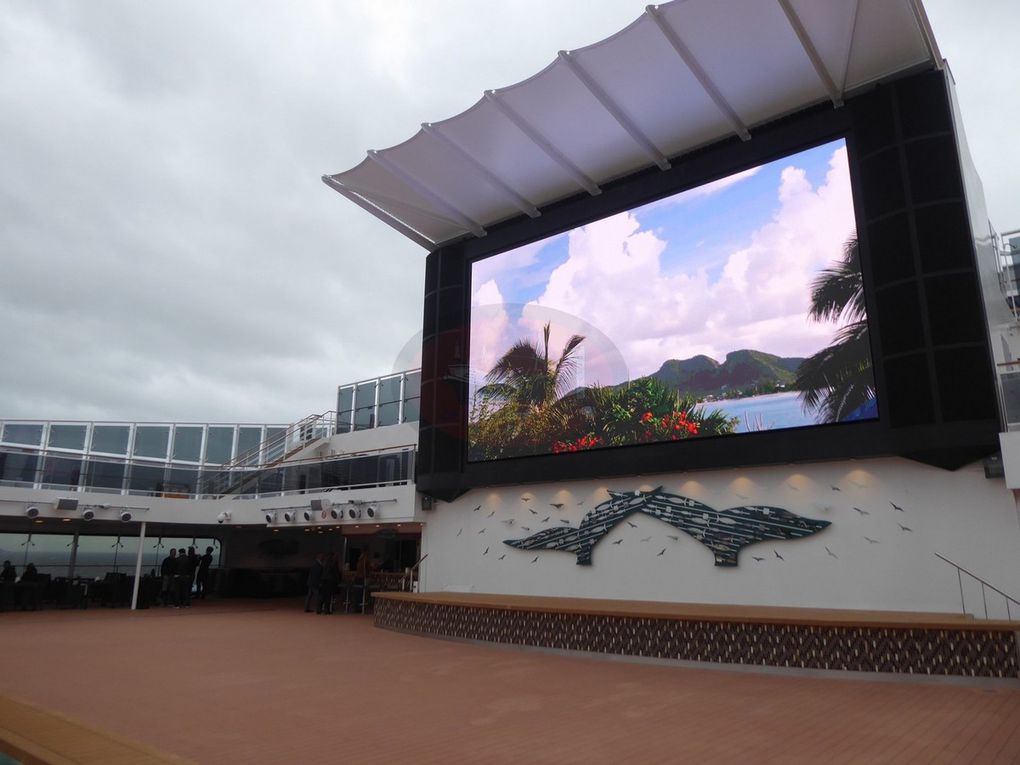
871,541
673,537
632,525
502,556
546,519
580,503
779,556
533,512
757,559
830,552
482,531
617,542
835,488
486,551
477,509
557,505
492,514
525,528
563,520
897,507
905,528
661,553
460,532
862,512
535,559
525,498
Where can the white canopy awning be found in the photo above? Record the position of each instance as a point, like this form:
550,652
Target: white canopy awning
683,75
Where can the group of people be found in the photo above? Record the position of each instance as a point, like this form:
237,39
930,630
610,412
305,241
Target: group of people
10,574
324,579
183,571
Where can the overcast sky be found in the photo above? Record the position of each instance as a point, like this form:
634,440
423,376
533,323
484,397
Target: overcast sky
167,250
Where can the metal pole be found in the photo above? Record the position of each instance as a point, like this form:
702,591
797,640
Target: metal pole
959,577
983,598
74,556
138,568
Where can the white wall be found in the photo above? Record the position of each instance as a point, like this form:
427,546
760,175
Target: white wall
962,515
14,500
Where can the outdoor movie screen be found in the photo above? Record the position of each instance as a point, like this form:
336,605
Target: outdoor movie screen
732,307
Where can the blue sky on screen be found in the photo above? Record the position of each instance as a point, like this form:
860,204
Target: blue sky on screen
718,268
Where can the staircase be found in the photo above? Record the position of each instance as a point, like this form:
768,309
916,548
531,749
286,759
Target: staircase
235,476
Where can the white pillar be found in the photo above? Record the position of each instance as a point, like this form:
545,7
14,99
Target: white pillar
138,568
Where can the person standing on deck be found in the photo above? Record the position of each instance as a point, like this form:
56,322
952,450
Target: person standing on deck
167,570
314,580
202,577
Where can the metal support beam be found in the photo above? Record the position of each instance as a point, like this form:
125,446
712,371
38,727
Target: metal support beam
516,199
926,32
835,95
138,568
850,44
614,110
379,213
426,191
543,143
699,73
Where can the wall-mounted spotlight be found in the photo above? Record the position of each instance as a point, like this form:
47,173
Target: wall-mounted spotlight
125,516
306,515
87,514
270,516
353,512
224,516
370,511
289,516
32,512
335,514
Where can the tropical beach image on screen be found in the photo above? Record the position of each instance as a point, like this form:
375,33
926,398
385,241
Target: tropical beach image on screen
732,307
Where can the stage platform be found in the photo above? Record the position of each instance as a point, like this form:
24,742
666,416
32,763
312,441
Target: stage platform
827,639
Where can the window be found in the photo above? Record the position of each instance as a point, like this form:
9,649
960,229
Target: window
30,435
364,399
188,443
219,445
104,475
67,437
110,439
412,396
151,441
389,401
61,471
345,409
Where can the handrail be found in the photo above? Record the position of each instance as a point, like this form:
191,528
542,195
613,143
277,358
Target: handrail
409,574
310,425
960,569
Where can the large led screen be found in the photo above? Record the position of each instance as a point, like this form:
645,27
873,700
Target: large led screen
732,307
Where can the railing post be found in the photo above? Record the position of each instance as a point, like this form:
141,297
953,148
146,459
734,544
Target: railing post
959,578
983,598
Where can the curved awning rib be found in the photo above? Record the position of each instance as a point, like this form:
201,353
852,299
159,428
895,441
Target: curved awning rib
684,74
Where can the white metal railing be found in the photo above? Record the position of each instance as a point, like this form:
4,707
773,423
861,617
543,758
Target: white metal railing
241,475
272,451
960,571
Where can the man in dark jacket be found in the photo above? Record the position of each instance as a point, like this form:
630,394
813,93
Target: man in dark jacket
183,577
314,580
202,578
167,570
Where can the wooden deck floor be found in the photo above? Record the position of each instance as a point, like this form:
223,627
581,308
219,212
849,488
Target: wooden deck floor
251,683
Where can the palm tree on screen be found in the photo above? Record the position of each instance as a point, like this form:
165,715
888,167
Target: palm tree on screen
838,380
527,379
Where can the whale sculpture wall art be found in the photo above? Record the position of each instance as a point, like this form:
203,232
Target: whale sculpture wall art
724,532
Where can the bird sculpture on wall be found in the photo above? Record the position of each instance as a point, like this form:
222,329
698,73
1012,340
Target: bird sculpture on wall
724,532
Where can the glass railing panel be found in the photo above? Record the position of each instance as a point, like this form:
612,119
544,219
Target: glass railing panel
67,437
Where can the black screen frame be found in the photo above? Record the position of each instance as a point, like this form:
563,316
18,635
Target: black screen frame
885,130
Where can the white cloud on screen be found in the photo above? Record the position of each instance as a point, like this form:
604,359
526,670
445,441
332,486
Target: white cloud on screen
613,278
